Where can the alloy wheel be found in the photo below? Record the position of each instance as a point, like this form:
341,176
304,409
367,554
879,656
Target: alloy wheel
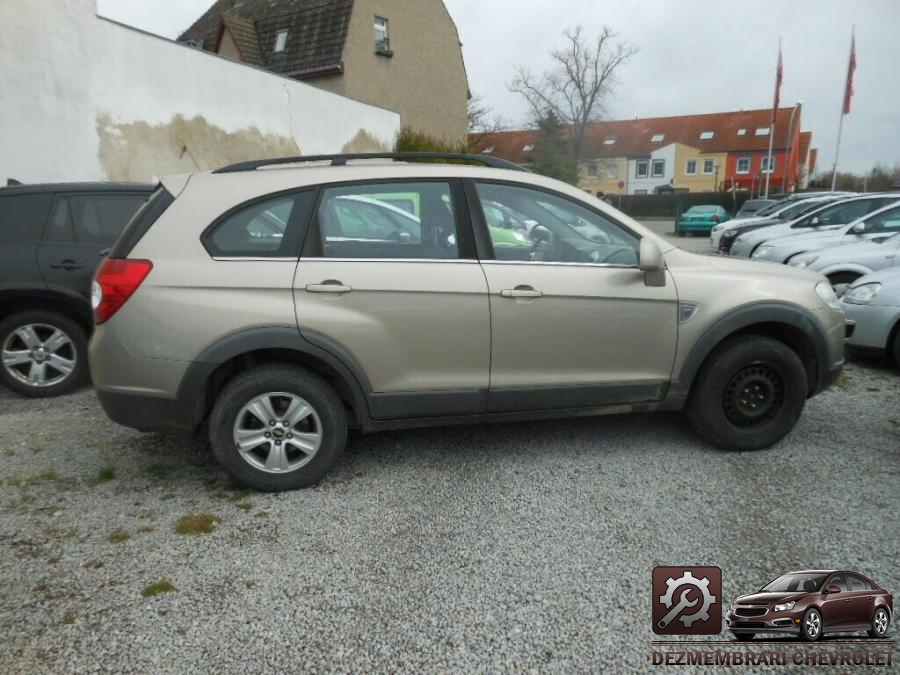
277,432
813,625
881,622
39,355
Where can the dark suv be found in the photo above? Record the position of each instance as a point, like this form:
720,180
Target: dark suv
51,239
811,603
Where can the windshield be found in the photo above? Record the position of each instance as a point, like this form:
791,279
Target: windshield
803,583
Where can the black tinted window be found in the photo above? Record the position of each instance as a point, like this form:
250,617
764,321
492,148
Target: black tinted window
270,228
92,219
388,220
24,215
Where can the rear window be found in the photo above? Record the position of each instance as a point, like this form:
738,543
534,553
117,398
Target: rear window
24,215
141,222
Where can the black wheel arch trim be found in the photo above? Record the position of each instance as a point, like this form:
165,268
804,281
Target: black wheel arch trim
796,317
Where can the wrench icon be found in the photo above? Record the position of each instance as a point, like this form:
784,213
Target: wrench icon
682,604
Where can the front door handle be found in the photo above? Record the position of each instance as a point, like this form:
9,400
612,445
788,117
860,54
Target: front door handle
68,264
329,286
520,292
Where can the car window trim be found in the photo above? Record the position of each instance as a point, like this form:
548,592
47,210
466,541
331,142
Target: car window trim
487,254
312,246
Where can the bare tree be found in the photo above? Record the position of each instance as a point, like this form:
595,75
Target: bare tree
482,121
576,89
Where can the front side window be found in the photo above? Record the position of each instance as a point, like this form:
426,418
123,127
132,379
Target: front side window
92,219
641,168
382,39
690,167
387,221
555,229
269,228
743,165
838,580
709,166
659,168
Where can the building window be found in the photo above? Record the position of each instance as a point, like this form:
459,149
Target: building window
709,167
640,192
592,169
743,165
612,170
658,168
768,165
382,39
280,41
641,168
489,149
610,139
762,131
527,148
706,135
657,138
690,167
742,132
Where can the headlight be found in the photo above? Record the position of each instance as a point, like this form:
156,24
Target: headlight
718,228
826,292
785,607
803,261
761,252
861,295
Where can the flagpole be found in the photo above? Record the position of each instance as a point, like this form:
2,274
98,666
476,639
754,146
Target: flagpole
837,149
774,116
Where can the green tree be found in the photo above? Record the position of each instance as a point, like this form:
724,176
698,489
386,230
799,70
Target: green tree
552,154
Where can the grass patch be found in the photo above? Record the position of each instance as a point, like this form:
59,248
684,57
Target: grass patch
159,471
844,382
161,586
244,506
105,474
69,618
261,514
146,529
118,536
198,523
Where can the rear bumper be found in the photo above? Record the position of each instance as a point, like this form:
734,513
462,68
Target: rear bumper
147,413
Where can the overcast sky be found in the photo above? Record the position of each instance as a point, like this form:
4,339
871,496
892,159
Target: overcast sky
695,56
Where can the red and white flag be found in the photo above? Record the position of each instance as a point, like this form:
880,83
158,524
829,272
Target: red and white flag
848,91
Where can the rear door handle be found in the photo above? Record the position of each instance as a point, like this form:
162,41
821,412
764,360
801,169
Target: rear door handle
330,286
520,292
67,264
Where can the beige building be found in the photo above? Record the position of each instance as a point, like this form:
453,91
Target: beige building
403,55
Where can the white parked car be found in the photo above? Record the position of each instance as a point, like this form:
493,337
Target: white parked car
872,307
785,210
845,264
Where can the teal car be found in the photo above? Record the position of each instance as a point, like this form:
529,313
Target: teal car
700,219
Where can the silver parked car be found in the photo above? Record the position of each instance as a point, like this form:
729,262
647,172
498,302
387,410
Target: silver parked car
872,306
877,224
828,216
845,264
786,209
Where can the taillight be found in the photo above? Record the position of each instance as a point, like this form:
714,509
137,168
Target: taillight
114,282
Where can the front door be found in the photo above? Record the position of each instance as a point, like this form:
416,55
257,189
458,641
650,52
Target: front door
573,322
837,609
388,278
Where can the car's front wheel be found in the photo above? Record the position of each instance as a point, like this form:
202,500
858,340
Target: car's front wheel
43,353
278,427
811,625
880,623
748,394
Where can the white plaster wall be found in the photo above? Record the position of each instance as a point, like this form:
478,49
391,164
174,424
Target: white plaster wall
668,154
62,69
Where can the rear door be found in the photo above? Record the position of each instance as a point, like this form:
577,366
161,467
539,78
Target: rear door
22,219
388,279
862,599
81,226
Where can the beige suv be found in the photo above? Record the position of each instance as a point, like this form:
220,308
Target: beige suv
279,303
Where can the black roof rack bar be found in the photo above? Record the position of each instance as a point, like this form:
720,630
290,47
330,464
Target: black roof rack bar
341,160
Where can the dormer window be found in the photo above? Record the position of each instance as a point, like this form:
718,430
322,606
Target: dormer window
489,149
610,139
528,147
707,135
280,41
657,138
382,38
742,132
762,131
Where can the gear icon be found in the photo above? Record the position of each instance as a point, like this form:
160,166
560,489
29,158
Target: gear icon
701,584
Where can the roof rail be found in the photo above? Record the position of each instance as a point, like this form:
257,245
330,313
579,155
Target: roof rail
341,160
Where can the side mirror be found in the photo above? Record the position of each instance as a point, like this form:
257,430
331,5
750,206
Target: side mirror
651,263
859,228
815,222
833,589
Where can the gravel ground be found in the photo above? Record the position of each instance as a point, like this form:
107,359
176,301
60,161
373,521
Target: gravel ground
510,547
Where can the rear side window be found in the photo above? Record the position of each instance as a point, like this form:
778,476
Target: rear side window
268,228
24,215
92,219
858,583
141,222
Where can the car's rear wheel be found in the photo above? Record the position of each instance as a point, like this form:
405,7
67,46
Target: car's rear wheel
748,394
880,623
894,348
745,637
841,281
278,428
42,353
811,625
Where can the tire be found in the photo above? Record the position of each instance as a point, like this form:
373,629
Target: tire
745,637
881,622
811,625
894,348
678,232
289,467
42,344
840,281
748,394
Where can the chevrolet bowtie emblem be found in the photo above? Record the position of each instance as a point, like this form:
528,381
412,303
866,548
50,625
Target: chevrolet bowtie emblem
749,605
